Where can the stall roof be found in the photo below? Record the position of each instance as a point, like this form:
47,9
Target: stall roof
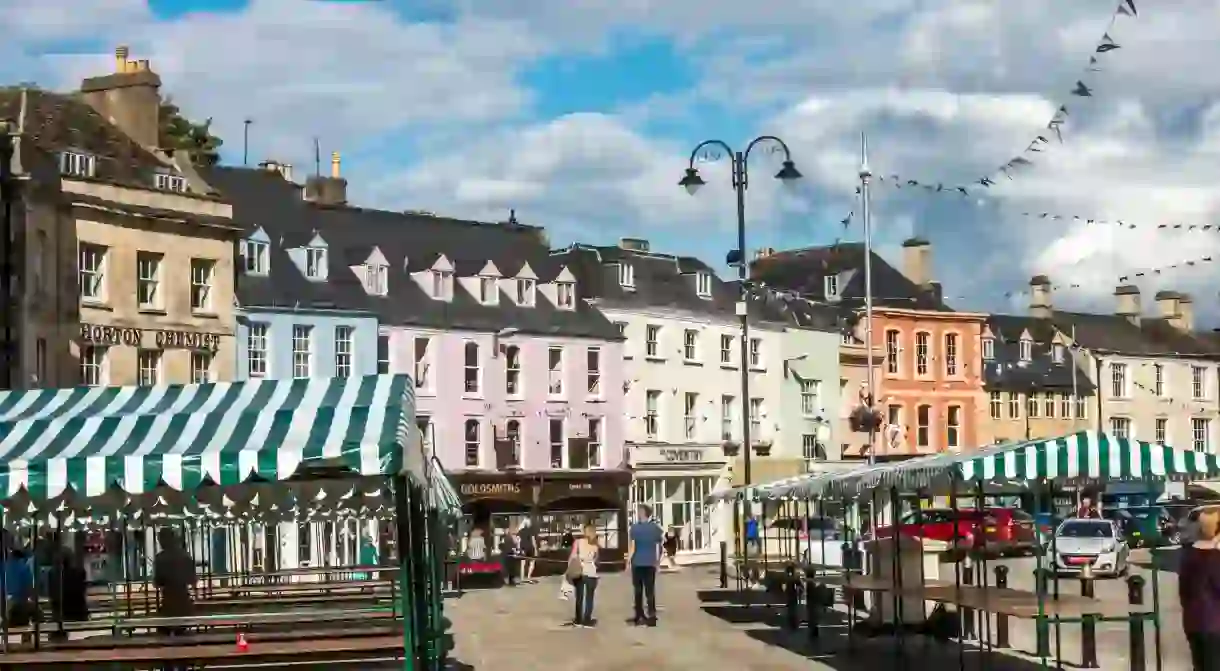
90,440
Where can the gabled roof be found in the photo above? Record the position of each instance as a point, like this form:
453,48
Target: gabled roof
803,271
410,242
1153,336
1006,372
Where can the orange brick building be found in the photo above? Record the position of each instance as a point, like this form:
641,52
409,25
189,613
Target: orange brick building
928,380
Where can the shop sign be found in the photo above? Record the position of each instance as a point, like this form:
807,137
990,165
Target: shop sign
98,334
490,489
648,454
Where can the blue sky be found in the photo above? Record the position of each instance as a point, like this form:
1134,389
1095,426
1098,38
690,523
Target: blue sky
580,115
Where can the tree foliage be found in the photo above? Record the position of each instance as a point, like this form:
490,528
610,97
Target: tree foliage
178,133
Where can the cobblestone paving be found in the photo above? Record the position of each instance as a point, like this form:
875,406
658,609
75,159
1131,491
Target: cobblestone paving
703,628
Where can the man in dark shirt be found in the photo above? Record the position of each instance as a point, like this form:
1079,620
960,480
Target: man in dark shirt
174,575
644,550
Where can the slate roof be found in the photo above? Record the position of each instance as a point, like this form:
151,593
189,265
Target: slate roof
54,122
669,282
410,242
804,270
1153,336
1006,372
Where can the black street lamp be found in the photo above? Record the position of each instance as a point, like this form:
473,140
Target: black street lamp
692,182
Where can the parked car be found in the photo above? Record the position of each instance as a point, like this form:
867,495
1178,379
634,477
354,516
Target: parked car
788,537
993,530
1096,543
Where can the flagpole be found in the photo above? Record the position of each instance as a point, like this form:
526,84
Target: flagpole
870,391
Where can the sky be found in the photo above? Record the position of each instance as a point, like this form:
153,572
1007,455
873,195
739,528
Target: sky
581,116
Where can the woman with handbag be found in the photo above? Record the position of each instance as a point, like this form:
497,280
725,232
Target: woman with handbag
582,573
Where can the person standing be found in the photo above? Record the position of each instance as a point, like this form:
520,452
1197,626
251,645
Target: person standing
510,551
1087,509
585,551
752,541
644,541
529,550
174,575
1199,592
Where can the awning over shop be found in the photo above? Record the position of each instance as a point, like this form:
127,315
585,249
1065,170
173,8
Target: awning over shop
441,493
87,441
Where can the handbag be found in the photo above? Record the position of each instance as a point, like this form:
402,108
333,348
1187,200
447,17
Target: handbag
574,570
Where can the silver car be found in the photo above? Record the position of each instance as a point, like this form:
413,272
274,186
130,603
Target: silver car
1097,544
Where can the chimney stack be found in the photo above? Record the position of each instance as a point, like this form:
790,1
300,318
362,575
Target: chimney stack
129,98
1128,302
1176,308
327,190
1040,306
634,244
917,260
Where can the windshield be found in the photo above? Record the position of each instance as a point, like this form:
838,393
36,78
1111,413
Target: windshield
1085,529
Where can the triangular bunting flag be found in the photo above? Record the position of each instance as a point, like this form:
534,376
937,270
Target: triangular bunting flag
1082,90
1107,44
1127,8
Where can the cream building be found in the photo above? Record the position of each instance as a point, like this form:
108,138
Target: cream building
126,254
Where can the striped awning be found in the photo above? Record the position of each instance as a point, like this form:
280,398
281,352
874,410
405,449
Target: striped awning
441,494
1083,456
91,439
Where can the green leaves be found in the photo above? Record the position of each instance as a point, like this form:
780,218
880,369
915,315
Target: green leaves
181,134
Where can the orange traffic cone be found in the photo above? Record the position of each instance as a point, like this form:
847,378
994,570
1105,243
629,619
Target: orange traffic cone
242,644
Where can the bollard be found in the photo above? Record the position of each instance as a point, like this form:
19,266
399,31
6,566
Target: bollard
1001,619
1042,579
1088,627
967,614
791,596
813,604
724,565
1135,597
849,556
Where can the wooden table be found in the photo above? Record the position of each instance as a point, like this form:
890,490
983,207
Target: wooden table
253,619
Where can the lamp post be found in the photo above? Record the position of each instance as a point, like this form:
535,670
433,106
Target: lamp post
8,351
865,203
692,182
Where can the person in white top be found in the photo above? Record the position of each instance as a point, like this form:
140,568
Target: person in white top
582,572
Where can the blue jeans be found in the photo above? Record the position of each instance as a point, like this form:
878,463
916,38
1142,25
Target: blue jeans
586,587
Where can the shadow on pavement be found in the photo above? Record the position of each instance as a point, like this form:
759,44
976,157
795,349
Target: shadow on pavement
1163,559
739,598
832,647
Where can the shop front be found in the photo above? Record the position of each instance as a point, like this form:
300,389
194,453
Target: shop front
675,481
557,504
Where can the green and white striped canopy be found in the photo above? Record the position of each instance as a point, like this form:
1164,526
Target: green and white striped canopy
91,439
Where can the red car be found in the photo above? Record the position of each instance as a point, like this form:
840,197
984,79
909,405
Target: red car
992,530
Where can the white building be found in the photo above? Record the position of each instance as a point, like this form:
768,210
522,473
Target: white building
683,402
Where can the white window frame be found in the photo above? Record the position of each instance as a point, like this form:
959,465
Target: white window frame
756,413
652,341
315,262
1198,383
384,357
1048,405
953,427
256,257
423,361
690,416
995,405
345,336
92,262
148,367
148,280
555,384
923,425
1158,380
201,366
203,275
988,349
652,414
512,372
257,361
427,434
923,352
726,350
593,372
1026,349
1065,405
1120,427
1033,409
626,275
951,339
94,365
168,182
1160,430
1082,407
558,444
690,345
77,164
378,279
727,404
830,287
811,397
1057,352
472,443
302,351
1201,434
565,295
1120,382
809,447
703,284
472,373
512,433
596,427
489,290
892,365
1014,405
525,292
756,354
442,285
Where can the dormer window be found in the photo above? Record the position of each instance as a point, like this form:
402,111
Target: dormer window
377,276
256,257
442,284
1027,349
315,261
988,349
565,295
626,275
525,292
1057,352
489,291
168,182
77,164
830,286
703,284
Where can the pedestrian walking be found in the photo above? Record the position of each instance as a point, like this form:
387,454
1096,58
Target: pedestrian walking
671,548
510,552
582,573
644,541
752,542
1199,592
529,550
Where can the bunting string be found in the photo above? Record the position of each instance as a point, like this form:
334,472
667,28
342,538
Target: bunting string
1083,88
1126,278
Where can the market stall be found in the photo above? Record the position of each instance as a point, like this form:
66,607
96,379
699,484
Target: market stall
230,460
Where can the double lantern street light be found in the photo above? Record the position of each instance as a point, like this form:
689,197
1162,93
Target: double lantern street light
692,182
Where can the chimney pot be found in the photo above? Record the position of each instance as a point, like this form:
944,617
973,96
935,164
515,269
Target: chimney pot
1128,306
334,165
120,58
1040,305
917,260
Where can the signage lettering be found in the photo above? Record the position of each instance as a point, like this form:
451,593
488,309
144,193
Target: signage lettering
580,486
133,337
674,455
490,488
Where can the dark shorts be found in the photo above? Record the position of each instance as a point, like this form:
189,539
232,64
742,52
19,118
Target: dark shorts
527,551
